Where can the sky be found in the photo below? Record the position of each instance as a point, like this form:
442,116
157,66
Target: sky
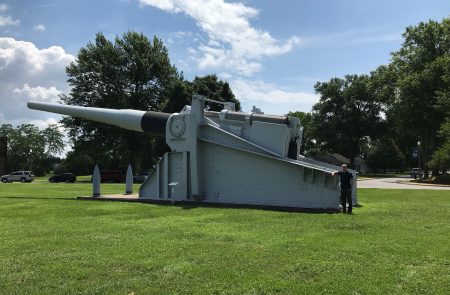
271,52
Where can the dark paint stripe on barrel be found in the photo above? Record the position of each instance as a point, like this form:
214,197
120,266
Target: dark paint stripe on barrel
154,123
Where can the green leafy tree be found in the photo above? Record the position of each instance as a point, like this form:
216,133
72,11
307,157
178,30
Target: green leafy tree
131,72
54,142
308,142
418,82
78,163
210,86
213,88
441,157
384,154
32,149
180,94
346,115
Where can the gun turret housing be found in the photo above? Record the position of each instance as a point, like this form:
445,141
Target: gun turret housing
224,157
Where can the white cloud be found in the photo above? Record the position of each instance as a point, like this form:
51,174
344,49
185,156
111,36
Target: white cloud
28,73
271,98
8,21
21,57
183,34
14,108
38,93
233,43
3,7
39,27
191,50
42,124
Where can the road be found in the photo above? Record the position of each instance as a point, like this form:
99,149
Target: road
393,183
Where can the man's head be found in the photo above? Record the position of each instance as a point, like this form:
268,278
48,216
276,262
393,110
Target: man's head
344,167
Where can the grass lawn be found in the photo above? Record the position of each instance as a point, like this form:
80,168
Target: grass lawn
50,243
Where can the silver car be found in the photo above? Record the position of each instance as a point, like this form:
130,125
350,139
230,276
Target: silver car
22,176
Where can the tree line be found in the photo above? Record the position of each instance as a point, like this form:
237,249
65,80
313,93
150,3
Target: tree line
398,112
30,148
380,116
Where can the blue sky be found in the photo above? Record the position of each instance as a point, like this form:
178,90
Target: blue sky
271,52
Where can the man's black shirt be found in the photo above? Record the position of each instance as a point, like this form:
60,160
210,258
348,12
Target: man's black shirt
346,180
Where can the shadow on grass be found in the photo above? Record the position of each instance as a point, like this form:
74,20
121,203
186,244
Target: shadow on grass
254,207
189,205
193,205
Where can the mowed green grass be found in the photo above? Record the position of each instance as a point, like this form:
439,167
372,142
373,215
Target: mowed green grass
51,243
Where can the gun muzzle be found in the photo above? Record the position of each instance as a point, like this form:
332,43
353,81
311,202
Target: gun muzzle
153,123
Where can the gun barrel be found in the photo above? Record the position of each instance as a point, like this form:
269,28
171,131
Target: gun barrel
238,116
153,123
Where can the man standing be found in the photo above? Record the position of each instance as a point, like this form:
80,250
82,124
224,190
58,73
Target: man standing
346,188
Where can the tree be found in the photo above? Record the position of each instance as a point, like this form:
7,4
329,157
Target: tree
308,142
130,73
180,94
209,86
346,115
441,157
78,163
213,88
32,149
54,143
384,154
419,69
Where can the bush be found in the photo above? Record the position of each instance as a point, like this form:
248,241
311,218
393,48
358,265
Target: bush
441,158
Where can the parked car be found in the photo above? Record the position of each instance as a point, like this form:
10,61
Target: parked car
63,177
22,176
416,172
141,177
112,176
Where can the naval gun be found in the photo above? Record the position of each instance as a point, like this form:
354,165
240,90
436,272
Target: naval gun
224,157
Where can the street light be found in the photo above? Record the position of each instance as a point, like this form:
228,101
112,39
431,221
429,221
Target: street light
418,157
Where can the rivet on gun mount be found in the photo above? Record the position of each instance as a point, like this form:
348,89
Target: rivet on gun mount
224,157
